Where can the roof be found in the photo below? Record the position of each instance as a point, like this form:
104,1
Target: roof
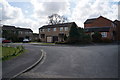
35,34
24,29
58,25
88,21
97,29
116,22
8,27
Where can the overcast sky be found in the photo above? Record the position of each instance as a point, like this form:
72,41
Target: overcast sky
33,13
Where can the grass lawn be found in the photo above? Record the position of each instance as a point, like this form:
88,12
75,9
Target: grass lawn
8,52
47,43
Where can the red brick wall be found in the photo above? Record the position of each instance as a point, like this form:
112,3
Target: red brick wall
100,22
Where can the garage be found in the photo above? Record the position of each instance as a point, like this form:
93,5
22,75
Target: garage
49,39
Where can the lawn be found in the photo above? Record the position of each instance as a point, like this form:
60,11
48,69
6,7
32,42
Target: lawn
42,43
8,52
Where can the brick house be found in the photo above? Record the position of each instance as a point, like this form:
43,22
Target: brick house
15,33
102,25
117,30
53,33
25,33
35,36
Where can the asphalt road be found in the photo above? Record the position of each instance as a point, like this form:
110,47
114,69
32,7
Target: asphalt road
98,61
15,65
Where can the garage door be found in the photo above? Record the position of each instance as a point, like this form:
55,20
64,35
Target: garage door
49,39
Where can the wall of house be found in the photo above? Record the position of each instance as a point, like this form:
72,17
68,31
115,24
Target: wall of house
103,22
25,34
18,34
100,22
52,33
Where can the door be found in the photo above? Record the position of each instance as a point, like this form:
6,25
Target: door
55,38
49,39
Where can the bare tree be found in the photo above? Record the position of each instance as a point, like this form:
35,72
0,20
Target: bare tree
55,19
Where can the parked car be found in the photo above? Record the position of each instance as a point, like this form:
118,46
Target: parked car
26,40
6,41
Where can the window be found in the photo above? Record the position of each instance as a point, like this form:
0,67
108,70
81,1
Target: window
48,29
26,32
66,28
40,30
43,30
104,34
30,32
20,32
54,29
61,28
42,35
92,33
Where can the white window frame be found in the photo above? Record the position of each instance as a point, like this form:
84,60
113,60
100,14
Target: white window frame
54,29
41,30
104,34
61,28
66,28
48,29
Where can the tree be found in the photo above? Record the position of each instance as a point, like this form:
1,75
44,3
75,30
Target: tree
74,35
56,19
78,35
65,37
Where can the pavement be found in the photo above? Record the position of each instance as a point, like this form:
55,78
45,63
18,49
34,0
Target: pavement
15,65
94,61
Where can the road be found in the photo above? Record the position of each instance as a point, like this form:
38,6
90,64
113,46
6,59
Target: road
15,65
97,61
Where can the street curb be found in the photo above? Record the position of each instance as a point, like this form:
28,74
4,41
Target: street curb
30,67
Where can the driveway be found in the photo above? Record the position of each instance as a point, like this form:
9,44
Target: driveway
98,61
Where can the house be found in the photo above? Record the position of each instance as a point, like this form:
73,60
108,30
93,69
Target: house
35,37
24,33
16,34
102,25
117,30
56,32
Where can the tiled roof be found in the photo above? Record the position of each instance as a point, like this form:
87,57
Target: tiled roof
8,27
58,25
24,29
89,20
99,29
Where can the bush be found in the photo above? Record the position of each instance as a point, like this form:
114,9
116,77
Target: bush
74,34
86,38
97,37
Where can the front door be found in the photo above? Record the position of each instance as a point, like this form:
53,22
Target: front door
55,38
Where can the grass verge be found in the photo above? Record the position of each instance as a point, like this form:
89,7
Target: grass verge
10,52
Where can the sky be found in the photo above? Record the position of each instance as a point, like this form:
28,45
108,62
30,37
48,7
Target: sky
34,13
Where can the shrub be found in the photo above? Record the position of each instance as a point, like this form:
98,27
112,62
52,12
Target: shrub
97,37
74,35
106,40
